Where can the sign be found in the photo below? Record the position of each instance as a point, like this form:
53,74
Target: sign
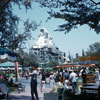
79,84
90,90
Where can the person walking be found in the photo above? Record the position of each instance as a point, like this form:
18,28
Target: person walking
84,73
51,79
72,79
33,84
66,76
97,74
43,80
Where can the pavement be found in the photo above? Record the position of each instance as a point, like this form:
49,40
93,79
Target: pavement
27,94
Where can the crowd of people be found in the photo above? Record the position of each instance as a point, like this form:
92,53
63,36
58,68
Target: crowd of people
66,79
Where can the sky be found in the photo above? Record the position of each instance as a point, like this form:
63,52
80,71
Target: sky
72,42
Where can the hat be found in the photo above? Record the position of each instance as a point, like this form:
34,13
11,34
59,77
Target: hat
71,70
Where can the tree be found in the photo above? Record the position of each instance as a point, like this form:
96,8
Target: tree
28,59
52,63
74,13
10,36
83,53
94,49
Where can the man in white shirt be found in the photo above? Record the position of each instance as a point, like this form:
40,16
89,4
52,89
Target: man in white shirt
73,78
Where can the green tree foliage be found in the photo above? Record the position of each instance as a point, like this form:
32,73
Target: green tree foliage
52,63
94,49
28,59
10,36
74,13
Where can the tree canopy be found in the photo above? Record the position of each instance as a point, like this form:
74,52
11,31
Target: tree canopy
28,60
10,36
52,63
94,49
74,13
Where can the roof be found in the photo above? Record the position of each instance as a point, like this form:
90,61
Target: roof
7,51
67,66
7,55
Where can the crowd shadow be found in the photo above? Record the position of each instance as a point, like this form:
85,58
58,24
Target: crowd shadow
20,97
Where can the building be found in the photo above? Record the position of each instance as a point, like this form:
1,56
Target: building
45,49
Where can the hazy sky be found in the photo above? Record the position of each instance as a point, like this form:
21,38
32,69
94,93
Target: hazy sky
73,42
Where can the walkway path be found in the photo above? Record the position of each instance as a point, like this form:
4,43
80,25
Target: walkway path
27,95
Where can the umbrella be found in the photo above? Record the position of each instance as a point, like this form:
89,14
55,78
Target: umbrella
6,54
39,68
8,65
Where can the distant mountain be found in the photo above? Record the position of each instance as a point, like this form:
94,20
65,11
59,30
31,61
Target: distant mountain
44,40
45,49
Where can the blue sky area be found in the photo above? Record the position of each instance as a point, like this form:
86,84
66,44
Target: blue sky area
73,42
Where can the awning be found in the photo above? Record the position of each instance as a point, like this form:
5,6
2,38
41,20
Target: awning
7,55
8,65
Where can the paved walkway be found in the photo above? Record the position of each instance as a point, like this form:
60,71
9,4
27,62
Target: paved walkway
27,95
